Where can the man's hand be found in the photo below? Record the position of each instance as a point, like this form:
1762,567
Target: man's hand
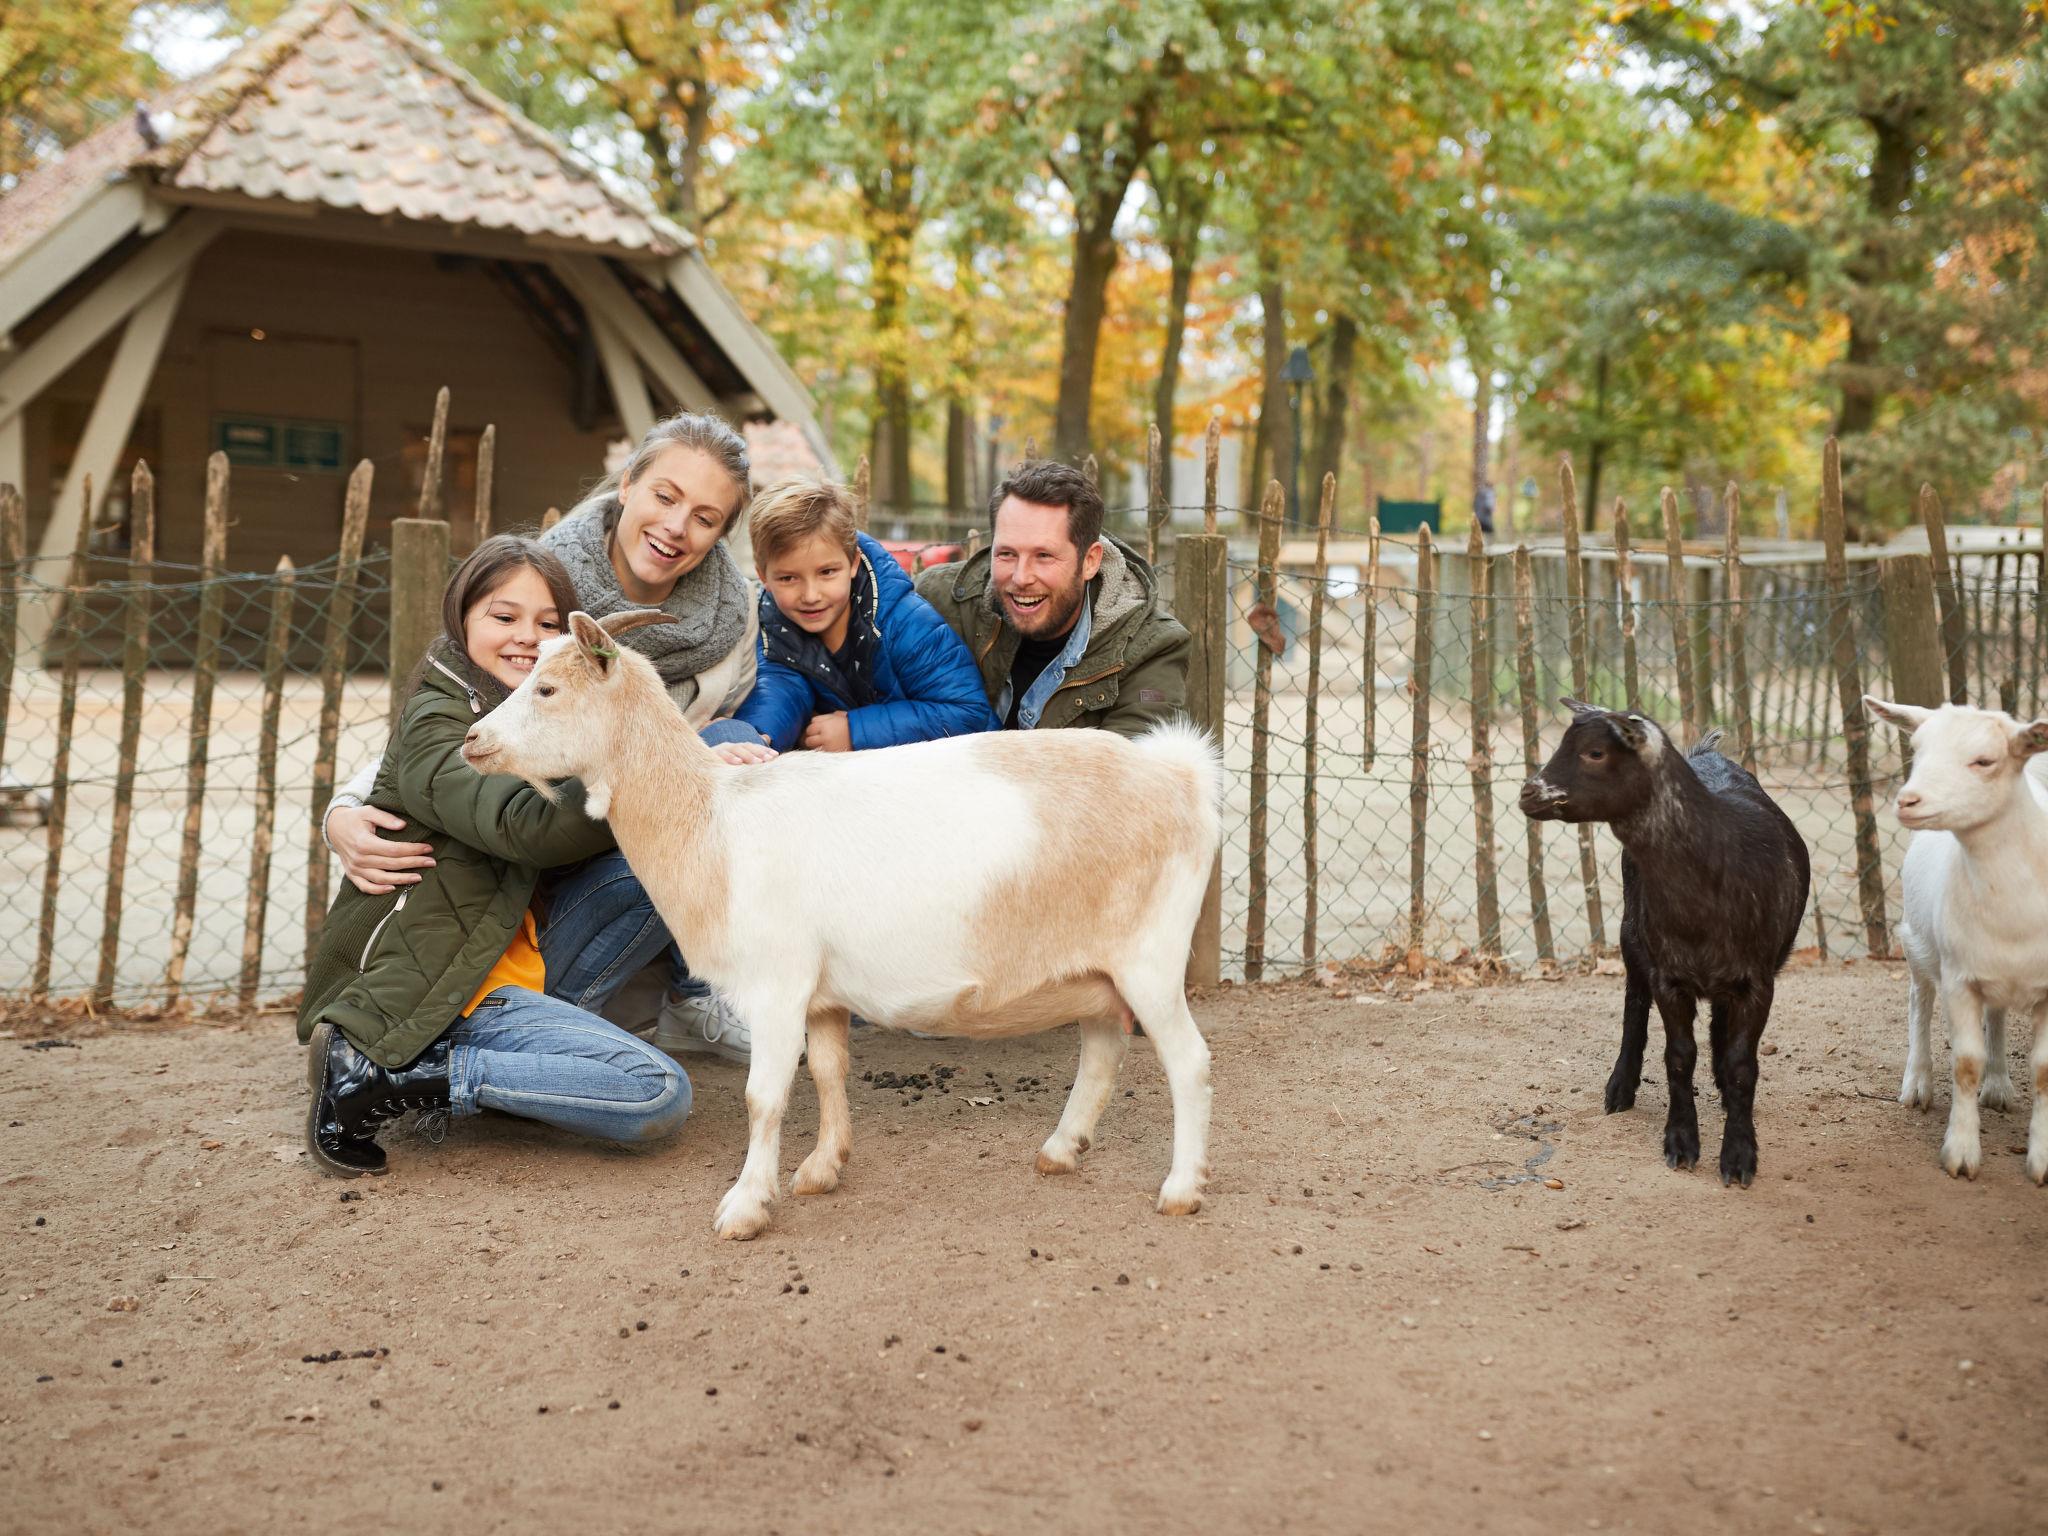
828,733
375,865
741,753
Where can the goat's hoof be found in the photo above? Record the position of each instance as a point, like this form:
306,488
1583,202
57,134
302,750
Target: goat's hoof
2037,1161
1056,1157
1681,1146
1917,1092
1738,1163
1180,1199
1962,1158
740,1217
1995,1092
817,1174
1620,1096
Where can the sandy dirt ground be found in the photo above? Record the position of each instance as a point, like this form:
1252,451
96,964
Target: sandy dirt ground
1385,1319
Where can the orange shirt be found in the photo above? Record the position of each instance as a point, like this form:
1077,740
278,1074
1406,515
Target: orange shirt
519,966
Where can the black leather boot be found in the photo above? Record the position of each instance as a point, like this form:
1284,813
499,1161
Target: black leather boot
354,1098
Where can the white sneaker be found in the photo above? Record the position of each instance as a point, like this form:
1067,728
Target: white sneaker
703,1023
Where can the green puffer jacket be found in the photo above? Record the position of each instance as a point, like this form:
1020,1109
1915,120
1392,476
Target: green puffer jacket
391,972
1132,676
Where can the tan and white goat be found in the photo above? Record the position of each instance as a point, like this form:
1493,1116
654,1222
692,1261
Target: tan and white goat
1065,885
1975,883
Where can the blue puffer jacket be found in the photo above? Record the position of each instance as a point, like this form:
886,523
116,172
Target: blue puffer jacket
912,677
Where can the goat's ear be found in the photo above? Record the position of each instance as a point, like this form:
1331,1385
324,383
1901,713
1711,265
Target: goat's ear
2029,739
617,624
1579,706
1632,731
1907,717
597,647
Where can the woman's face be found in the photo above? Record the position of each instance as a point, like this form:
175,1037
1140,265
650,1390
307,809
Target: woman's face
675,510
504,628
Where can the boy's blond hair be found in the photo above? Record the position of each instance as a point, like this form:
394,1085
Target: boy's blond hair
787,514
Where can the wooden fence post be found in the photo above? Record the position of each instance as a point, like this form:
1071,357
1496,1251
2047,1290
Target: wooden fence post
1310,860
1954,643
1091,471
1855,721
1201,600
1625,592
419,574
1370,663
341,611
1418,745
13,542
134,670
437,450
1676,591
1734,626
277,644
486,475
1271,515
1582,685
1912,636
862,510
1532,741
1482,741
60,763
199,736
1156,500
1212,447
548,519
2040,614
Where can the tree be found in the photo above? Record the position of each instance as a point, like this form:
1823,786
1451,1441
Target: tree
65,68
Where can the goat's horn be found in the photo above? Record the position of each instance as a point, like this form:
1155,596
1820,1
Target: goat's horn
1580,706
617,624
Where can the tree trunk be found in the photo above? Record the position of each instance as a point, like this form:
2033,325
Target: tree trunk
1596,453
1482,423
1328,457
1510,453
892,226
1117,149
1869,270
959,454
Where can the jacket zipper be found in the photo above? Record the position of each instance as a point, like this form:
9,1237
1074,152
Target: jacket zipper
364,963
1083,682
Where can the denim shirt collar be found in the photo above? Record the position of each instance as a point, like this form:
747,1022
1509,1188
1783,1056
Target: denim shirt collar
1040,693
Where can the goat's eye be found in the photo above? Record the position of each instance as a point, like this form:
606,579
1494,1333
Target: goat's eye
1595,755
1980,762
546,690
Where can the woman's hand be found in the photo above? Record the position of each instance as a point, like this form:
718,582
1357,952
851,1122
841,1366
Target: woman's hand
374,865
741,753
828,733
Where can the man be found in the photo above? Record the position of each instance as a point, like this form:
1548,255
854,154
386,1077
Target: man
1065,622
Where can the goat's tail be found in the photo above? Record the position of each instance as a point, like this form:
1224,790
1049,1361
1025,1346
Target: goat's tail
1194,754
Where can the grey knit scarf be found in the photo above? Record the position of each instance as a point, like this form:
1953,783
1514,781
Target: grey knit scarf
709,604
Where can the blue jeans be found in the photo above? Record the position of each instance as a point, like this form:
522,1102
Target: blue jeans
601,929
544,1059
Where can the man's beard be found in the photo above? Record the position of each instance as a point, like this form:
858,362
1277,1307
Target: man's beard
1053,616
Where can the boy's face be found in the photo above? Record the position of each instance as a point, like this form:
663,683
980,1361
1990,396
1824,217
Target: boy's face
812,583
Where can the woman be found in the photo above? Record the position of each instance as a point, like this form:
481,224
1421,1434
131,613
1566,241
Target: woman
384,1010
650,536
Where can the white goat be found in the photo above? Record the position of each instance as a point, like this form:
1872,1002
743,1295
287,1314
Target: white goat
1976,921
1065,885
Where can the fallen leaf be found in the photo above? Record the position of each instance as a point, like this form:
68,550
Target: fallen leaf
1609,967
209,1145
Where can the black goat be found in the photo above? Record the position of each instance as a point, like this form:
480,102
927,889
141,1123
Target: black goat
1714,881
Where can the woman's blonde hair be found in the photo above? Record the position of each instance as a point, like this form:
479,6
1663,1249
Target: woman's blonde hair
795,510
709,435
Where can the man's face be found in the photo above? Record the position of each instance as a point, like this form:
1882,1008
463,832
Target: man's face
1040,577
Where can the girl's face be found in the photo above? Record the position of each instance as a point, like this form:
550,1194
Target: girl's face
504,628
675,510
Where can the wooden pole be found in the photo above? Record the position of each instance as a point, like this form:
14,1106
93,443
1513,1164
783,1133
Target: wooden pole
1271,514
1310,860
1156,510
1370,663
1734,626
1625,590
1212,448
1091,471
1201,599
486,474
198,743
419,573
862,509
1482,741
1954,643
341,609
1418,745
60,763
1582,684
134,671
437,449
549,518
13,573
1681,628
276,646
1532,741
1912,635
2040,614
1855,723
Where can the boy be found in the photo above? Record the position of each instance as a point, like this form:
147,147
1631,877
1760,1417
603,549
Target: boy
850,656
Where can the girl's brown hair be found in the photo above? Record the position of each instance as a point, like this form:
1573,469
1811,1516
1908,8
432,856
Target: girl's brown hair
488,567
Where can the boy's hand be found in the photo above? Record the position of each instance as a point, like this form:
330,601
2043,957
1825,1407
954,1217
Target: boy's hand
741,753
828,733
375,865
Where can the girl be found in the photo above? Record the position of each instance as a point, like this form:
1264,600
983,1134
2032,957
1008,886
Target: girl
650,536
437,996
